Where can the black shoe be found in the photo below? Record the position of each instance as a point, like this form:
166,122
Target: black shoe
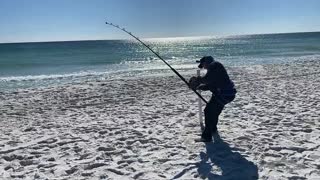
203,140
206,137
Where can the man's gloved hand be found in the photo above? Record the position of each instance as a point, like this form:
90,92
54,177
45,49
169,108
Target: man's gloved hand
194,82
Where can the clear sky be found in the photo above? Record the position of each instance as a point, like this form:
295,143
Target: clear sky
56,20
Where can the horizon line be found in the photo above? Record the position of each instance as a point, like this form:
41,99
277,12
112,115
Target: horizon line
155,38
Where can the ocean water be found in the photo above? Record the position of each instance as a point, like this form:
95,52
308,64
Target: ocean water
32,65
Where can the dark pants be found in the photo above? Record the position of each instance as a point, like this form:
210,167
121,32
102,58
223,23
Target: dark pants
212,112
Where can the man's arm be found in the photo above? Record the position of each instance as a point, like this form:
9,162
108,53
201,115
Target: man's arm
203,87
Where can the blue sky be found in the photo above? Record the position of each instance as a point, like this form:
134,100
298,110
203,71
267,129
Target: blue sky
58,20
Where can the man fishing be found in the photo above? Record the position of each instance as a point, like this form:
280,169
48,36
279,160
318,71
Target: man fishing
218,82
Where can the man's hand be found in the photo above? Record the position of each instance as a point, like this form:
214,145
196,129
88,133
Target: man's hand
194,82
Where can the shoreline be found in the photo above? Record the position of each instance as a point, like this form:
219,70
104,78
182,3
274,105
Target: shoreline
41,82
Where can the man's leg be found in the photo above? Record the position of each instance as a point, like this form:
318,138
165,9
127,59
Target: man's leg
209,121
211,112
216,111
217,106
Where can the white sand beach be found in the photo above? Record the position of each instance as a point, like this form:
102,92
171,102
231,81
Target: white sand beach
144,128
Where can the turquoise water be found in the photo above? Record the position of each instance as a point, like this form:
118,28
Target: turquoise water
25,65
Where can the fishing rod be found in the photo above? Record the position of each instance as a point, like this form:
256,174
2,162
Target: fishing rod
147,46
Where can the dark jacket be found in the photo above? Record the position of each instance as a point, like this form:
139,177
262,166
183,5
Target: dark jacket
217,81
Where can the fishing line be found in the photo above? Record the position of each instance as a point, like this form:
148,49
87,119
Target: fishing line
147,46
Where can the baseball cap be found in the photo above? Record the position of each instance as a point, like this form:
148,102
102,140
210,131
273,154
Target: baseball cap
205,59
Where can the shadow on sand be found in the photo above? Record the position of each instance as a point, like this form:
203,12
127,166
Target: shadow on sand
220,162
230,165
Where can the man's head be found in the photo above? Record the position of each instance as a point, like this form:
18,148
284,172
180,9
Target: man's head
205,61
